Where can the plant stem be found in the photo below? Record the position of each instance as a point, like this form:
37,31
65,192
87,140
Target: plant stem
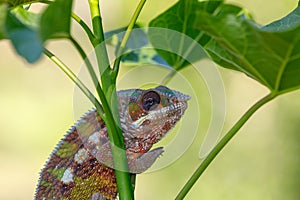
96,84
99,45
221,144
109,121
112,120
168,77
86,60
77,81
96,19
119,154
88,65
132,22
85,27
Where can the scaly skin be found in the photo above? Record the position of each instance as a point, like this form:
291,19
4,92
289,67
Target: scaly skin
81,166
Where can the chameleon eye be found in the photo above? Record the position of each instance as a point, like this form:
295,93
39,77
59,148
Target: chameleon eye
150,100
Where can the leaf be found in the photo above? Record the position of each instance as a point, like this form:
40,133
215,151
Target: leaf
288,22
137,39
137,49
3,13
27,18
55,21
145,55
269,55
18,25
28,31
181,18
15,3
25,40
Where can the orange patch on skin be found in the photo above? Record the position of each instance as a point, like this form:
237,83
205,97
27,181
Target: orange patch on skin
167,126
136,111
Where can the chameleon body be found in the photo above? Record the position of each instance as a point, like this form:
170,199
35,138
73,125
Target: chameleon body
81,166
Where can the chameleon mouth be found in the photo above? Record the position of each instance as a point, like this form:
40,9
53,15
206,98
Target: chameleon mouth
181,106
168,111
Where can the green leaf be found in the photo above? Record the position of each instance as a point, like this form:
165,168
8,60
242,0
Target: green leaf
288,22
26,17
25,40
55,21
137,49
19,26
268,56
3,13
28,31
181,18
15,3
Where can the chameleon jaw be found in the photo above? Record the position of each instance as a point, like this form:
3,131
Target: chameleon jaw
160,114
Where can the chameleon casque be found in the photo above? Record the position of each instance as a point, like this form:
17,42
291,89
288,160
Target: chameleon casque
81,166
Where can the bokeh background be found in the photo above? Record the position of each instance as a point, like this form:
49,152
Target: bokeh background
36,109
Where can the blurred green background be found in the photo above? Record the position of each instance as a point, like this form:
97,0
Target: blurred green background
36,103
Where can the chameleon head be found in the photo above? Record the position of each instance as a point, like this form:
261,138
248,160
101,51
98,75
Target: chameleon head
150,114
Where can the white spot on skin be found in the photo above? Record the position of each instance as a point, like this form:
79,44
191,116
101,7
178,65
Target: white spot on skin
94,138
98,196
68,176
81,156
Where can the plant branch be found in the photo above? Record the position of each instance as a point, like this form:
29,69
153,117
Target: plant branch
89,67
168,77
111,110
99,45
96,19
126,37
221,144
75,79
86,61
85,27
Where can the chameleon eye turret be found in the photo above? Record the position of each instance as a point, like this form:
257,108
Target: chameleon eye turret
150,100
81,166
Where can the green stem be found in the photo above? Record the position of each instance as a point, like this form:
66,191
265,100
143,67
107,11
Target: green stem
86,61
85,27
77,81
96,19
111,110
126,37
168,77
108,118
221,144
99,45
89,67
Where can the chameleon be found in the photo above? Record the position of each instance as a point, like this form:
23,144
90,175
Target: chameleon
81,165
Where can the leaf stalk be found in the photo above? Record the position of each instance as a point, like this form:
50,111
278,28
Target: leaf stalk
124,41
76,80
221,144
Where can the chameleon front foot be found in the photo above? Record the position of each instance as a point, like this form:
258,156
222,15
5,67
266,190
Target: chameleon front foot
143,162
